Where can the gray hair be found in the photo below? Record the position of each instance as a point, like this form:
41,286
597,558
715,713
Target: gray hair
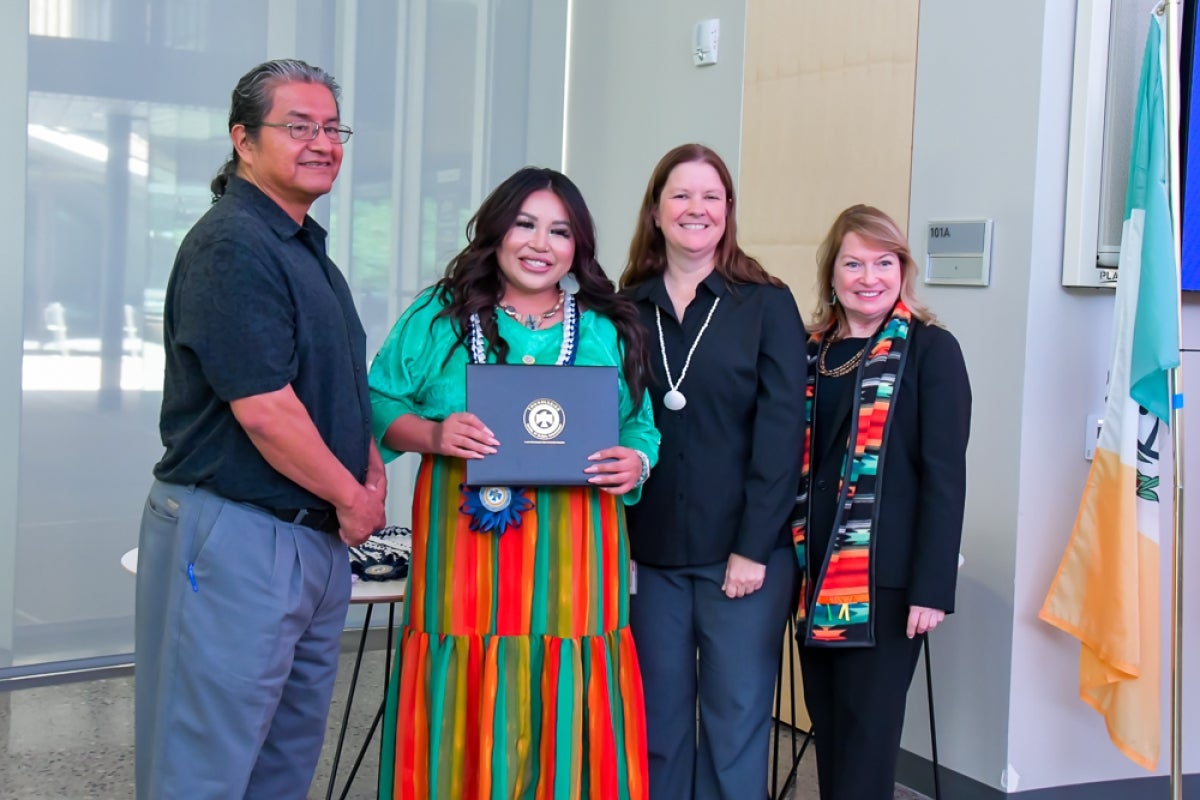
253,98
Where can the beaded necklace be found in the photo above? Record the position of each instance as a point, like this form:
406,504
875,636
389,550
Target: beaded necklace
566,353
844,369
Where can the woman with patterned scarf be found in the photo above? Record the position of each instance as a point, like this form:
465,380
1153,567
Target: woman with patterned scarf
880,511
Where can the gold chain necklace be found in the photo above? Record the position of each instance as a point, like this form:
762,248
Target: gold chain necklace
534,321
844,369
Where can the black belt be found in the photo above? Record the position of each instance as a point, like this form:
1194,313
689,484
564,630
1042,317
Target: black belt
319,519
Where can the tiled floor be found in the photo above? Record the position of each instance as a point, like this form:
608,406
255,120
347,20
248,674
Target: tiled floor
75,741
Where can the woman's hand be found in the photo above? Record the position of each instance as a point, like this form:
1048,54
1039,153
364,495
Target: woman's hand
618,470
463,435
923,620
742,576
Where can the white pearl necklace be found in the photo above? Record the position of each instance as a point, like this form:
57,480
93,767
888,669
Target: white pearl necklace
674,399
565,352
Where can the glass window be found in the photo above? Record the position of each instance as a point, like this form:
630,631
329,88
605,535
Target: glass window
127,123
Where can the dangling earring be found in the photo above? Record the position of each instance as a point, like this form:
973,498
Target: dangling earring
569,283
832,297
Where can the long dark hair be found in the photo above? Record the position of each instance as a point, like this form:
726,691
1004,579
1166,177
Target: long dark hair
253,98
648,249
474,283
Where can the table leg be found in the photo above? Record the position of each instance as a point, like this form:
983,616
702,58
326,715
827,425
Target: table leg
362,751
937,772
337,753
791,645
387,677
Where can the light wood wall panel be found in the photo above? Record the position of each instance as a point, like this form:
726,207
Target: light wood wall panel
790,679
826,123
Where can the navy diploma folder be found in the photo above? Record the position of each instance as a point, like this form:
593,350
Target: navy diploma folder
548,420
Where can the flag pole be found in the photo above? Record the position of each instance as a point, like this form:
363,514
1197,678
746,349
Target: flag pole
1171,81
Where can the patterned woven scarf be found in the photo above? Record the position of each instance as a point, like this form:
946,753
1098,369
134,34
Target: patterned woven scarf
835,610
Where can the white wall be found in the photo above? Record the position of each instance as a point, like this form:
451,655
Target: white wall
990,140
974,154
633,94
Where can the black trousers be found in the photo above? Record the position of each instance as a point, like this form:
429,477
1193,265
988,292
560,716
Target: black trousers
855,698
711,662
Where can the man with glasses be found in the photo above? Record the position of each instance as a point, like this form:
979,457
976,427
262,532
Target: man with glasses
270,469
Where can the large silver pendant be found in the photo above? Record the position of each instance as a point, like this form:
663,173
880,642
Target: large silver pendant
674,400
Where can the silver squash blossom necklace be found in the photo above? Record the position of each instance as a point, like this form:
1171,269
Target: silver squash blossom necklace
674,399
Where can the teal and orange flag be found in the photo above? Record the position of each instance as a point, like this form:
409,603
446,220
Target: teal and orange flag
1106,591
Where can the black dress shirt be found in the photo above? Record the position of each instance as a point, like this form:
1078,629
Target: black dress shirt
729,462
253,305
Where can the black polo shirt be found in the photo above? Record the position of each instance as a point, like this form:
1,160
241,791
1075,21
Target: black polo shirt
729,463
254,304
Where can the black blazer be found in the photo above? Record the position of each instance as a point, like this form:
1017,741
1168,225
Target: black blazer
922,490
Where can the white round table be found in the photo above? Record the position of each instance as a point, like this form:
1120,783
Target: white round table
129,561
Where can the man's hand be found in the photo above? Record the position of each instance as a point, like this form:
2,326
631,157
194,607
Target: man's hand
362,517
279,426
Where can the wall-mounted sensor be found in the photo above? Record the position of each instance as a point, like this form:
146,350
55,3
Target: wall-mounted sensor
704,46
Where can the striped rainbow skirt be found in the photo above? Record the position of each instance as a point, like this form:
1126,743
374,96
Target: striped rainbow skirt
516,674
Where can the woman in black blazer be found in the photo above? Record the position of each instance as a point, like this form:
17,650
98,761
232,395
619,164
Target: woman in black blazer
879,518
716,571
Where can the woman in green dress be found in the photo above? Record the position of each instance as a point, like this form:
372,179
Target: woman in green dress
516,674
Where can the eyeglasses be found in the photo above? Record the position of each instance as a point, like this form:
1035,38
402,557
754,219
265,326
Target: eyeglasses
307,131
